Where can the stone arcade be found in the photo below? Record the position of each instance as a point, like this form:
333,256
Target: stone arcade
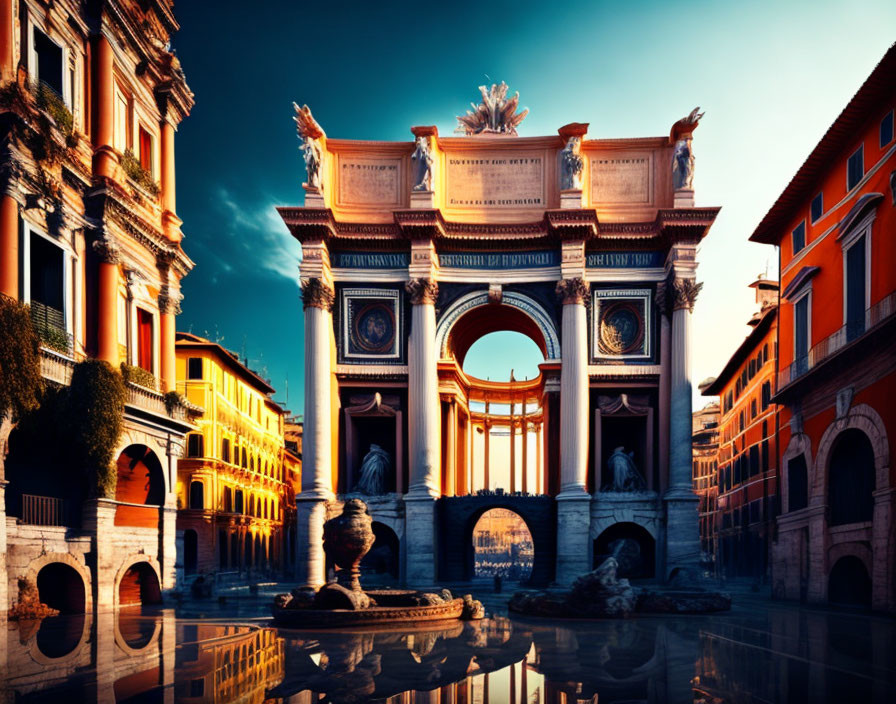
411,251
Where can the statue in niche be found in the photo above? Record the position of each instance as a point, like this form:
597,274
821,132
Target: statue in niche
626,477
374,468
571,165
422,157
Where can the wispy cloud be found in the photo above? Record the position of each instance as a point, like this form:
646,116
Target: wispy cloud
256,237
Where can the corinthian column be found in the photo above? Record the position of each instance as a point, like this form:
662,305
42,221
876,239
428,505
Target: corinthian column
423,433
682,530
574,387
107,295
573,501
317,464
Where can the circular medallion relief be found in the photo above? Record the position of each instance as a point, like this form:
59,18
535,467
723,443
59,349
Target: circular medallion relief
621,329
373,328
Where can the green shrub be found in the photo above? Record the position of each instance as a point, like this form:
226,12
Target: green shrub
50,102
54,338
173,400
135,171
96,414
20,377
138,376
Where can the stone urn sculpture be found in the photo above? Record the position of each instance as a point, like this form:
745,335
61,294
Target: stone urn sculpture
347,538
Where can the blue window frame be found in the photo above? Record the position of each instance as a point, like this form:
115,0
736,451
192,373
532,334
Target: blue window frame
816,210
798,237
855,168
886,129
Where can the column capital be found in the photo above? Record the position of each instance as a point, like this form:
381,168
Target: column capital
107,248
316,293
572,291
422,291
684,293
169,301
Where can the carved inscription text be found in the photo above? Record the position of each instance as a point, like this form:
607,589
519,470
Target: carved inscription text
515,181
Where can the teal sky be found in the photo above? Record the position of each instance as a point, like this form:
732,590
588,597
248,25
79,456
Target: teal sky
771,77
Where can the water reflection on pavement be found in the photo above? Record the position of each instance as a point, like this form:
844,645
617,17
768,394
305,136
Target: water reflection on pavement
759,652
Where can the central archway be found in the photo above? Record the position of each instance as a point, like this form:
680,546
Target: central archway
139,586
502,546
633,547
141,483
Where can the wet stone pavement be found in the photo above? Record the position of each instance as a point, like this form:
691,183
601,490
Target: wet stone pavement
761,651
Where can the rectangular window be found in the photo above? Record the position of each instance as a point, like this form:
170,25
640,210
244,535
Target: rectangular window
194,368
144,339
855,289
122,137
194,445
225,450
798,237
797,483
48,57
816,210
855,168
47,271
801,335
146,150
886,129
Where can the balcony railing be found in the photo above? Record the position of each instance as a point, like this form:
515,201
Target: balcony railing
152,401
42,510
828,347
56,367
49,324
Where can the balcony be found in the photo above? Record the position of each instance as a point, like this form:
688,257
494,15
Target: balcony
42,510
875,316
56,367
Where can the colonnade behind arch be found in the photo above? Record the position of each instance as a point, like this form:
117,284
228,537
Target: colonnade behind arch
413,250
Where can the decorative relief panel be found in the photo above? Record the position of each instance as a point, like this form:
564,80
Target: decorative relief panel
495,180
372,325
369,181
622,180
621,325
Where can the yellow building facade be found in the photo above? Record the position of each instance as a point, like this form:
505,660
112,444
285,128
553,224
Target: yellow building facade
233,483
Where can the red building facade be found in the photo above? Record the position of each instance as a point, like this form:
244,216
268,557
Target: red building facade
747,458
834,226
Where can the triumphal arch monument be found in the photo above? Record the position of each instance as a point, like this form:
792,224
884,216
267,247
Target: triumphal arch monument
412,251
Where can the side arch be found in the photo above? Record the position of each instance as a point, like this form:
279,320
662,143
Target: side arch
861,417
523,305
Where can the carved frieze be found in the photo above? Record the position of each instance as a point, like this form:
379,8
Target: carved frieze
107,248
317,294
422,291
573,290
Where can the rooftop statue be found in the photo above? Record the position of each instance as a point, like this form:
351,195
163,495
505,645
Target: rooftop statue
496,113
423,159
310,132
683,156
571,165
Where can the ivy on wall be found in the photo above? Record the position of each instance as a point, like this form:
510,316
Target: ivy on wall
95,410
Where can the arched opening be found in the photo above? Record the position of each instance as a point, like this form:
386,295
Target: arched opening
61,587
380,564
191,551
851,478
141,480
139,586
494,355
849,583
197,497
632,546
502,546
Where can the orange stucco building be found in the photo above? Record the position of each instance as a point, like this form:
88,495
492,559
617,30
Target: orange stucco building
834,225
90,100
746,481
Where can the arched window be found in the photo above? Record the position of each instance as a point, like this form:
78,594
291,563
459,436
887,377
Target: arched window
851,478
197,500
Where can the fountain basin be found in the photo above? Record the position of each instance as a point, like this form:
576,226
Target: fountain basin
393,607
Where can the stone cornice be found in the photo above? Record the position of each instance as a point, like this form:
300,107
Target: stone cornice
422,291
420,224
572,224
309,224
572,291
317,294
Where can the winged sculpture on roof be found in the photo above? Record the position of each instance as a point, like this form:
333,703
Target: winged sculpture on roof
310,132
495,114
